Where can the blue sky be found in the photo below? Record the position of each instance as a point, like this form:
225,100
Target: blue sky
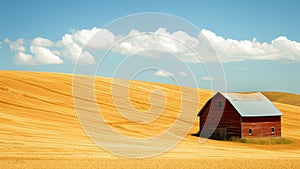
240,21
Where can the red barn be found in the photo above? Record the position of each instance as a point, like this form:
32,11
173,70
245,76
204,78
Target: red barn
228,115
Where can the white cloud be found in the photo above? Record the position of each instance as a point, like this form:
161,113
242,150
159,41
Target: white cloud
230,50
17,45
86,58
81,37
178,43
163,73
42,42
45,56
182,73
38,54
157,44
102,39
23,59
70,49
73,44
208,78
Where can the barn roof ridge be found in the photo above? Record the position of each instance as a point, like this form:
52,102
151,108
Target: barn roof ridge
250,104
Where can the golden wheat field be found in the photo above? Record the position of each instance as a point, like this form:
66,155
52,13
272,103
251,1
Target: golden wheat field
39,128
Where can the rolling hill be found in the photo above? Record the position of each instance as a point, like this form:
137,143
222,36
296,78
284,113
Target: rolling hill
39,127
282,97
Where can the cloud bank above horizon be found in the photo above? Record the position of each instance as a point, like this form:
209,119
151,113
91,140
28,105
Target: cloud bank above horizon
42,51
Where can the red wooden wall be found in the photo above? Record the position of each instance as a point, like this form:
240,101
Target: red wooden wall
261,126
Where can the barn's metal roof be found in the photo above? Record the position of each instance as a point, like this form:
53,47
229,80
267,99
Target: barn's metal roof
252,105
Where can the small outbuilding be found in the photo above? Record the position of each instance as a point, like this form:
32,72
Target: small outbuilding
228,115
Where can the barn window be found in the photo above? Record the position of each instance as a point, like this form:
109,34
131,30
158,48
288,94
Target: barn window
272,130
220,104
250,131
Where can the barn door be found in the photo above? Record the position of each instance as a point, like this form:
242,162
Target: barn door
219,134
